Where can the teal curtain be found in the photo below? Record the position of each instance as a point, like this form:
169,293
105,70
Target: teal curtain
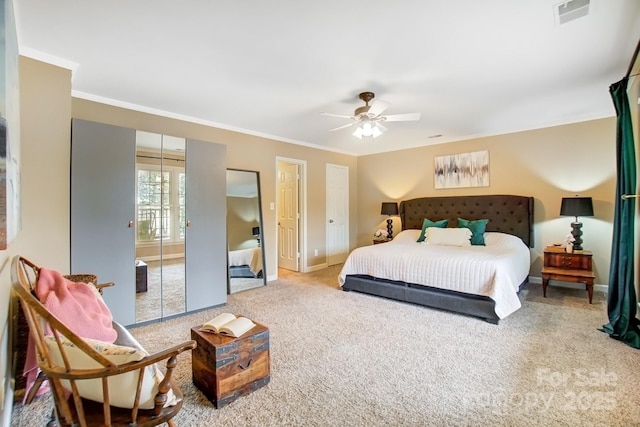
621,300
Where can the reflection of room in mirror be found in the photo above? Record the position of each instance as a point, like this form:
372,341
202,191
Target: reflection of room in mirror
160,222
246,269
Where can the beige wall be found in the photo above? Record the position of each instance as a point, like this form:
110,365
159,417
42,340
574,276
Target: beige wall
45,112
547,164
242,216
44,178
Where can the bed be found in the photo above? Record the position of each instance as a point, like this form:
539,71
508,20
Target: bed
447,281
245,263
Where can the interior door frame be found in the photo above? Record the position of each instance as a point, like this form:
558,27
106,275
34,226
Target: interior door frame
302,208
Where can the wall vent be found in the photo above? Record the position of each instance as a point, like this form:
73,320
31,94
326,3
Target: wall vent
570,10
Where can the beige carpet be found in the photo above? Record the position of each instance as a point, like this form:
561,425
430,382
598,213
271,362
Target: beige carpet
348,359
239,284
165,295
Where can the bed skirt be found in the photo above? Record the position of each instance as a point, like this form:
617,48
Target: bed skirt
444,299
243,271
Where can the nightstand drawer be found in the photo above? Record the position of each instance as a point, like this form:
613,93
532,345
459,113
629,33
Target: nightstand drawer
574,261
572,267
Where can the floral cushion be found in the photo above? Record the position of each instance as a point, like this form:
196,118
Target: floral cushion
122,387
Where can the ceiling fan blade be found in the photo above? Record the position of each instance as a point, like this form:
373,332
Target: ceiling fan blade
336,115
341,127
382,128
402,117
377,107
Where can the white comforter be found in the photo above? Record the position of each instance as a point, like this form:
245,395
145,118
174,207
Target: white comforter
251,257
495,270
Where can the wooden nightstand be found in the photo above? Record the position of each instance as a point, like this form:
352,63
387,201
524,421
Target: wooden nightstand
377,241
575,267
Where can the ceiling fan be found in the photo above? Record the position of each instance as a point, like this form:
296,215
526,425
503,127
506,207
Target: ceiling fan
369,117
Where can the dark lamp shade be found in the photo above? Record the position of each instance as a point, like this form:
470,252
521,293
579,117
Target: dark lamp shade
389,208
576,206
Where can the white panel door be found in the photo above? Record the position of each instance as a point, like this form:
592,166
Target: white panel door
337,214
288,216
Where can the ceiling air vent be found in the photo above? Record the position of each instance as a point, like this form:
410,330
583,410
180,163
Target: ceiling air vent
570,10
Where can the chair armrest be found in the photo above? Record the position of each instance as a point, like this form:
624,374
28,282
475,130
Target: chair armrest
164,387
100,287
84,374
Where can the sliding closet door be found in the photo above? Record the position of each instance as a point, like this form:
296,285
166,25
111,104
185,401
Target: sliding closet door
206,231
102,211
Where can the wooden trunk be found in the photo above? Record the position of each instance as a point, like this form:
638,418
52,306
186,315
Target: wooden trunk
225,368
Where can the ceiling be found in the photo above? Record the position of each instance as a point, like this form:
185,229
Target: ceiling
269,68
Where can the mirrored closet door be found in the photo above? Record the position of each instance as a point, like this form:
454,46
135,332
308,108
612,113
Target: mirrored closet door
160,226
147,213
246,257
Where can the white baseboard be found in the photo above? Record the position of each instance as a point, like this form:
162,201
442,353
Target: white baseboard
302,270
316,268
596,287
158,257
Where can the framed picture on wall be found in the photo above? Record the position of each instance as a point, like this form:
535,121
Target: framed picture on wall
462,170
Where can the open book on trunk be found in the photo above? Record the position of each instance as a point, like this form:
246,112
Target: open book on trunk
228,324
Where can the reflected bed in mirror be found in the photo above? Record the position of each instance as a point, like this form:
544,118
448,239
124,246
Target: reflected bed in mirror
244,233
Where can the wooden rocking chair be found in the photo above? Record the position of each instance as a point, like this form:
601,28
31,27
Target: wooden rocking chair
78,368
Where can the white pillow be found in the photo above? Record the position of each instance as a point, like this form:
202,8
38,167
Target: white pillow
448,236
122,387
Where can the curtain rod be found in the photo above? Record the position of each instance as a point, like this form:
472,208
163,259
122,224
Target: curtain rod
633,60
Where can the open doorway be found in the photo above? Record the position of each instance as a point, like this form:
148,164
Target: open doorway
290,213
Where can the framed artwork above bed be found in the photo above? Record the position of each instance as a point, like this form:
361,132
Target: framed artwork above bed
461,170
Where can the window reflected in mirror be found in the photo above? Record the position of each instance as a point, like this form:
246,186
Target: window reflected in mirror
160,222
244,231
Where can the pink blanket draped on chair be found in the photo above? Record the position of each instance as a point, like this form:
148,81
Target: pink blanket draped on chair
77,305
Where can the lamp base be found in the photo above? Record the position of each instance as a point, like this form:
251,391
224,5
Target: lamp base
576,232
389,228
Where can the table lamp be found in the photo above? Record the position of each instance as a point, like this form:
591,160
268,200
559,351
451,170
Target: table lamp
389,208
576,206
256,234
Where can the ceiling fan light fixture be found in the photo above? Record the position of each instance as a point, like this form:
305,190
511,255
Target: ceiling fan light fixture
367,129
369,117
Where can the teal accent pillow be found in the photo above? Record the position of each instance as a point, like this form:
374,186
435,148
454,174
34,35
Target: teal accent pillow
477,228
428,223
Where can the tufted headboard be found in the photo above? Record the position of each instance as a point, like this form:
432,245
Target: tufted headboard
506,213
